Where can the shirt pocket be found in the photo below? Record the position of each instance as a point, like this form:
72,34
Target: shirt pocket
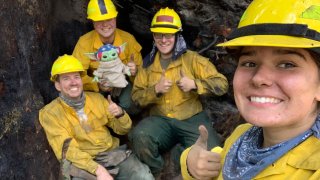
100,133
153,78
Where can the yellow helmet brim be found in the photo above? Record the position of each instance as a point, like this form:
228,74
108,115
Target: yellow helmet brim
103,17
163,30
54,77
272,41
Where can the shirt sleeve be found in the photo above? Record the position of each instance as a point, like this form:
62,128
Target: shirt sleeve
207,78
183,163
184,168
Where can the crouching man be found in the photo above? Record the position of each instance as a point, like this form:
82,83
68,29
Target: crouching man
76,125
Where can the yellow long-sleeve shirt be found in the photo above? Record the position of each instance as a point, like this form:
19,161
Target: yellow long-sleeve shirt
61,122
176,103
90,42
301,162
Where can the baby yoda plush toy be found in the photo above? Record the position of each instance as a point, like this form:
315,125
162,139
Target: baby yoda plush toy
111,69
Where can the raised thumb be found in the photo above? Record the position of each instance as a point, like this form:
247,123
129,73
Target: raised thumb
163,74
110,100
203,138
182,74
131,58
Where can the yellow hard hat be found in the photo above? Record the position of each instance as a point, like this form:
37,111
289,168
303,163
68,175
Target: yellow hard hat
99,10
278,23
65,64
166,21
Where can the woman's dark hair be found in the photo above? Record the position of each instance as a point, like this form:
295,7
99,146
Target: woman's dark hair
315,56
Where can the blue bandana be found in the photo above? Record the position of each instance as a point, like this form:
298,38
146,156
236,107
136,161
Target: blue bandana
246,158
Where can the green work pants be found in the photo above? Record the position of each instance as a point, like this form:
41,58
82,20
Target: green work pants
155,135
131,169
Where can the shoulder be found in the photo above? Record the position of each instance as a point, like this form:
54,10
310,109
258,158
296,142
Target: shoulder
125,35
195,60
306,155
94,98
237,133
53,109
193,53
51,106
94,95
195,57
129,38
242,128
89,36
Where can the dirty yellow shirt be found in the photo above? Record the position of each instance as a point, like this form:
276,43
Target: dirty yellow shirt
60,122
91,42
176,103
302,162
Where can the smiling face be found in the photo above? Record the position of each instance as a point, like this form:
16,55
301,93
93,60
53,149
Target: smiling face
70,85
165,44
106,29
277,87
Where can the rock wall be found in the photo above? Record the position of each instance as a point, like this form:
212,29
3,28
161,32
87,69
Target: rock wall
35,32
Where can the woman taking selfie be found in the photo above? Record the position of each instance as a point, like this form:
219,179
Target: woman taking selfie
277,91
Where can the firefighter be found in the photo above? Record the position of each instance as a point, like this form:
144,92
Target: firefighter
103,15
277,91
169,85
83,120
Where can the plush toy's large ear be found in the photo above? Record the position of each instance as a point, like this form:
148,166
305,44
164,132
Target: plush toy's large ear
121,48
92,56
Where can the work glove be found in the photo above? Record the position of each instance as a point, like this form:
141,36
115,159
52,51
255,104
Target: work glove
186,84
163,85
67,169
111,159
201,163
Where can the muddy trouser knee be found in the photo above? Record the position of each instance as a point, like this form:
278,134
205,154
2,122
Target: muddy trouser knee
133,169
151,137
188,129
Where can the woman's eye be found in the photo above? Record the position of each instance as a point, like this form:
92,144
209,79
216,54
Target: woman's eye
287,65
248,64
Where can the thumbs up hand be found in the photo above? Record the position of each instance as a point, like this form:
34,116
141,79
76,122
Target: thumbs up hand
186,84
114,109
201,163
132,66
164,84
